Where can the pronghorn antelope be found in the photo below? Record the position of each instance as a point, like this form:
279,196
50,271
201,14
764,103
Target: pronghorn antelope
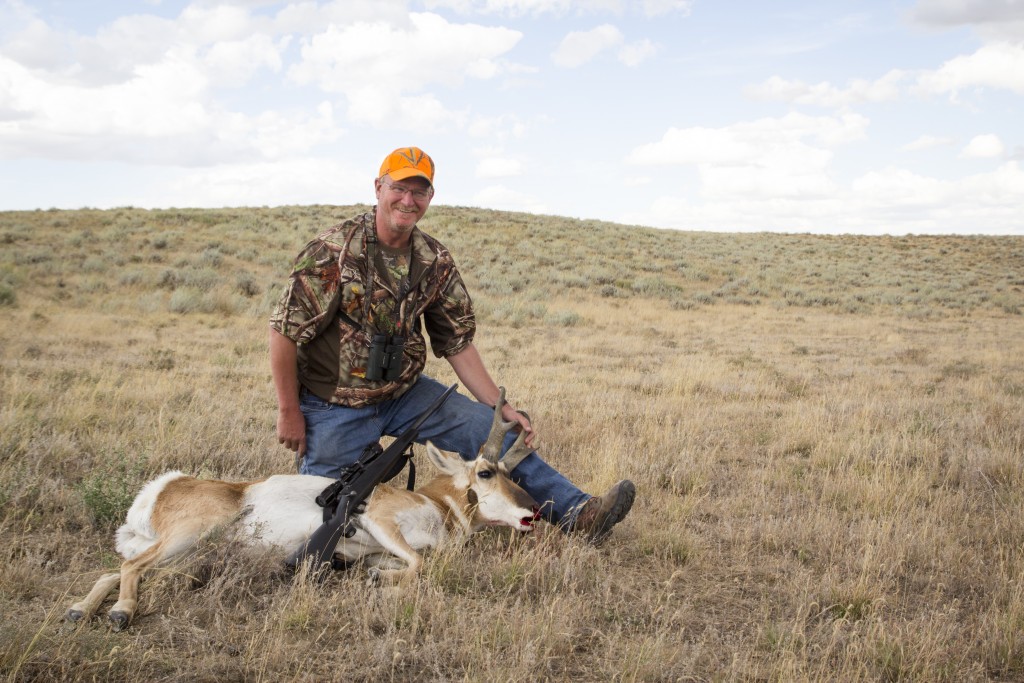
173,512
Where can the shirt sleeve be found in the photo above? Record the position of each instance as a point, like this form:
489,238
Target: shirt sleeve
450,321
303,310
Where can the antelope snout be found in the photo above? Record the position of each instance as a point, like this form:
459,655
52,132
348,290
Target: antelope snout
526,523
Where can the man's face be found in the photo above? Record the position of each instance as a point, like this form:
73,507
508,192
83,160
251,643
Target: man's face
401,203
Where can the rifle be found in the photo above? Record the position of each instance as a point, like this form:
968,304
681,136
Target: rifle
346,497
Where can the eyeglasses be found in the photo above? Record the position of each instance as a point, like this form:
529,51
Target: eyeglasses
418,195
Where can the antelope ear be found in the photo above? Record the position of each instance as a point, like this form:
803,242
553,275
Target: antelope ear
447,464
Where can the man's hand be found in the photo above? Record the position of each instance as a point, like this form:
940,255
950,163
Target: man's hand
291,425
508,414
470,369
291,431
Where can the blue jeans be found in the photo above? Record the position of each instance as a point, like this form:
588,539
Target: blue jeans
336,435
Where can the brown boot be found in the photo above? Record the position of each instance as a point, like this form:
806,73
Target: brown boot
598,515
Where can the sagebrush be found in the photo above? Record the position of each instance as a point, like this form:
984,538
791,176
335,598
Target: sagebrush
827,435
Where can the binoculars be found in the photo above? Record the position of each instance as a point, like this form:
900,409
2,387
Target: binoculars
385,361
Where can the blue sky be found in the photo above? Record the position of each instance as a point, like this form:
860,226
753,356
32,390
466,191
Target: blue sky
863,117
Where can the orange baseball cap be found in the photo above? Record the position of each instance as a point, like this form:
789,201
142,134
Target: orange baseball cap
408,162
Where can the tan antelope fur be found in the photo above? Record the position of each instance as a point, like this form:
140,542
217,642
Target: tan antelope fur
174,511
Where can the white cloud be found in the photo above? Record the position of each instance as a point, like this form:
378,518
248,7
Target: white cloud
993,19
421,113
982,203
235,62
117,49
161,99
142,77
164,114
784,157
748,142
291,181
359,55
927,142
894,187
800,172
892,201
824,94
983,147
997,65
637,181
636,53
498,128
888,201
519,8
1004,185
306,17
361,61
510,8
280,135
35,44
534,7
740,214
145,89
695,146
210,24
498,167
502,198
108,57
657,8
219,102
956,12
579,47
1000,65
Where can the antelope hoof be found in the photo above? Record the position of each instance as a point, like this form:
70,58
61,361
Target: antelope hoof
73,616
375,577
119,620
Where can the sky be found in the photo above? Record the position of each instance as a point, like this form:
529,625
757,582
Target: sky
848,116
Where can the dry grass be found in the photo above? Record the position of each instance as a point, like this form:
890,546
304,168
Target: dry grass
827,434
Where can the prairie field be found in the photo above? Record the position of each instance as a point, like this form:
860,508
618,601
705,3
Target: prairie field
826,434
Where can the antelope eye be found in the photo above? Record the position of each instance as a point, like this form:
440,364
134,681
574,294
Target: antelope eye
485,474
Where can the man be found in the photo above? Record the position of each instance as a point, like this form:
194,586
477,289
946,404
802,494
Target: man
348,367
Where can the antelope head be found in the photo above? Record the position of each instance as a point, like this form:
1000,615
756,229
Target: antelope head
500,501
495,499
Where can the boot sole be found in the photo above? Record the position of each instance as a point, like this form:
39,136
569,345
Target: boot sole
619,509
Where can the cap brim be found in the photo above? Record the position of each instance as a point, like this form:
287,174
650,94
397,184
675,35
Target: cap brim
405,173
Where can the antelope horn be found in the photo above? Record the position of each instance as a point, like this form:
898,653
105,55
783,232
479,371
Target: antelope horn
517,452
491,450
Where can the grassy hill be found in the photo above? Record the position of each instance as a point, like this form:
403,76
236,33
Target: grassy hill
826,432
210,261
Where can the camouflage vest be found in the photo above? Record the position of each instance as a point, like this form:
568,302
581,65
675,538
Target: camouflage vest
322,310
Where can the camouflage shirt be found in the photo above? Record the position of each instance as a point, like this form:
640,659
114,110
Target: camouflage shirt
322,310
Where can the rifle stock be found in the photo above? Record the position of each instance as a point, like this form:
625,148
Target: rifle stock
324,539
